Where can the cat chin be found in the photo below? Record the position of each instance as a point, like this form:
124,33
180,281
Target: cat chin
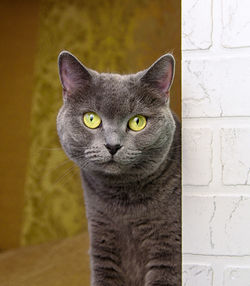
111,167
112,171
108,167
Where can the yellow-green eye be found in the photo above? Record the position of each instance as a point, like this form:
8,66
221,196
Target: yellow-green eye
137,122
91,120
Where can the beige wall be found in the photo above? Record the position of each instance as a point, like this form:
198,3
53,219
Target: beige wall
18,52
18,30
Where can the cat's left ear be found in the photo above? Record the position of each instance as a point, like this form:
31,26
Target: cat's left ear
72,73
160,74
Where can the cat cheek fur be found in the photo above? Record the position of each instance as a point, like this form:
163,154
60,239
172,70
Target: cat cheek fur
157,135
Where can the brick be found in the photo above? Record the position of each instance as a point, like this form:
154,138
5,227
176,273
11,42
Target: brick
235,156
216,87
216,225
237,276
197,156
197,275
196,24
236,24
196,215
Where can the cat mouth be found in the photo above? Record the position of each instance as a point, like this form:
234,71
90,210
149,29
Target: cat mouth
112,162
111,166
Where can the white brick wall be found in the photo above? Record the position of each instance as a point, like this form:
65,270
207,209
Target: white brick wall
216,142
236,276
197,141
236,24
197,275
235,157
196,36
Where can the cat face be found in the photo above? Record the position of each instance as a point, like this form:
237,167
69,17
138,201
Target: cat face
116,124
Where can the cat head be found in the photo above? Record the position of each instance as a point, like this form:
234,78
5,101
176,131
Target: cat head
116,124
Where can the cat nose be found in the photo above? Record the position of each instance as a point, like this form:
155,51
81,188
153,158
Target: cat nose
113,148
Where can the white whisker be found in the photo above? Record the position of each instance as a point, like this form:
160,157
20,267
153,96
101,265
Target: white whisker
68,171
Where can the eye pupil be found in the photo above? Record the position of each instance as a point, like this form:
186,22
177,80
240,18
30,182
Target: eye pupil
91,120
137,122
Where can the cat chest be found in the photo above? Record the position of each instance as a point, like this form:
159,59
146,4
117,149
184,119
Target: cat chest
138,239
133,256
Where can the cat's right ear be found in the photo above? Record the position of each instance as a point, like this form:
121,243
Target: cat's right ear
160,74
72,73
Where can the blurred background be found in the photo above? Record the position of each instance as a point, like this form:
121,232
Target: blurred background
41,199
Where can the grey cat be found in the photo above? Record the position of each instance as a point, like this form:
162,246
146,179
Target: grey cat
121,133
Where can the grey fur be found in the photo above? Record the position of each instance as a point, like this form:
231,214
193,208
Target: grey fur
133,203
